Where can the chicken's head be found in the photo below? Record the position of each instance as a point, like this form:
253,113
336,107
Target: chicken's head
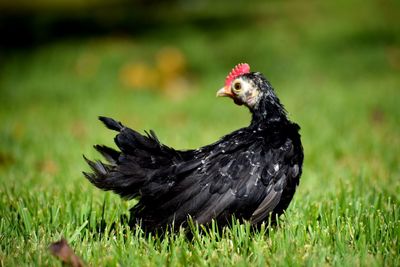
243,86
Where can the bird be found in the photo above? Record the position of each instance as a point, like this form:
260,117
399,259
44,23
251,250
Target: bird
250,174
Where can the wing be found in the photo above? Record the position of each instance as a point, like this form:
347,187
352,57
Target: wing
204,187
280,176
242,180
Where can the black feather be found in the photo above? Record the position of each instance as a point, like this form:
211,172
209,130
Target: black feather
111,155
111,123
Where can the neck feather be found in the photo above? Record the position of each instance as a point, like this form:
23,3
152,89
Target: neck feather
268,110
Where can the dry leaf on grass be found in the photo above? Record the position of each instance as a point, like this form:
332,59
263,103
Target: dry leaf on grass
64,253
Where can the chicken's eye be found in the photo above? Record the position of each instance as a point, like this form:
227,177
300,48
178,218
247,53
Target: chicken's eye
237,86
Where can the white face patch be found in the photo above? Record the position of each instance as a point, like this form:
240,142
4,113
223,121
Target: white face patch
245,91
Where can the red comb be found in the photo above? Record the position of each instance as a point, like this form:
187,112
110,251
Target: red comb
239,69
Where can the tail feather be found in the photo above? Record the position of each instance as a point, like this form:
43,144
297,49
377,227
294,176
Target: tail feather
129,141
111,155
108,177
98,167
142,161
111,123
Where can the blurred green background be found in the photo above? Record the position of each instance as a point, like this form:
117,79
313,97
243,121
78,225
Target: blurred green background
335,66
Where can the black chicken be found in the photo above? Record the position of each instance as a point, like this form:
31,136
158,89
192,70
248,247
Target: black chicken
251,173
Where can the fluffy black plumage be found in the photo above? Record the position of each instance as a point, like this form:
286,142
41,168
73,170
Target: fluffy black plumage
250,173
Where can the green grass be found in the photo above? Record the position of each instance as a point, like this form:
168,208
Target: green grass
336,72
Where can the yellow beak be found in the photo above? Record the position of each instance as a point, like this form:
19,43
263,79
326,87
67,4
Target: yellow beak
224,91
